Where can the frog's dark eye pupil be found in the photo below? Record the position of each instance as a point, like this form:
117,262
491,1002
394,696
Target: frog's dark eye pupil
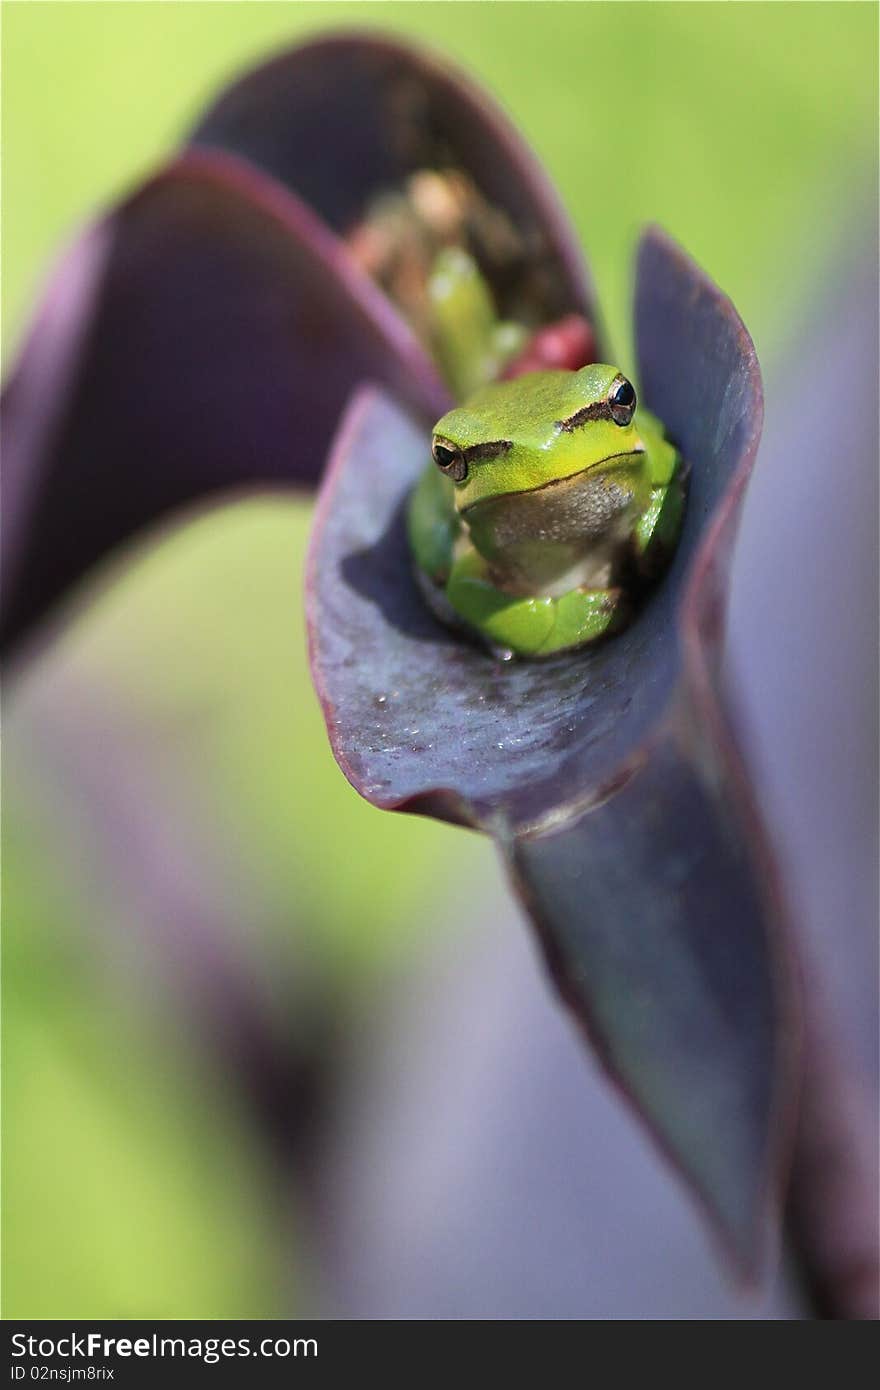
449,460
622,401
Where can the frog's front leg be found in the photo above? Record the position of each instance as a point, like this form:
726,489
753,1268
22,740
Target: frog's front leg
658,528
529,626
433,525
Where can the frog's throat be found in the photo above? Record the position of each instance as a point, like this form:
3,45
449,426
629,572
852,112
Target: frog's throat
595,466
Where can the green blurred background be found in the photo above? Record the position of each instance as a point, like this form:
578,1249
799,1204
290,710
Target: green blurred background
136,1182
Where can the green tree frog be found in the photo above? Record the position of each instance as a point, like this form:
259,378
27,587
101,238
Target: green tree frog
550,502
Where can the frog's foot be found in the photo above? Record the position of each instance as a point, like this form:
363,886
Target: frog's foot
533,627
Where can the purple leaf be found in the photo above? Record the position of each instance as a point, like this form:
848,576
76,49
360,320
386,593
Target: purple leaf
610,778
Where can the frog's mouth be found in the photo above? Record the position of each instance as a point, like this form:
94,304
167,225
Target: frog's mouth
566,531
615,464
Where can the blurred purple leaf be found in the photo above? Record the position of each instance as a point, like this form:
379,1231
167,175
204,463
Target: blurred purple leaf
805,675
485,1170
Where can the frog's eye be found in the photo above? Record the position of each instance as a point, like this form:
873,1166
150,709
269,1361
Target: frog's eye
622,401
449,459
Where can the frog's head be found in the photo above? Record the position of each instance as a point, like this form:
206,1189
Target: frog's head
516,436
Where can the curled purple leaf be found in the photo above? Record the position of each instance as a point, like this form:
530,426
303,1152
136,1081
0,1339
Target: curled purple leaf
394,111
203,337
609,778
206,333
